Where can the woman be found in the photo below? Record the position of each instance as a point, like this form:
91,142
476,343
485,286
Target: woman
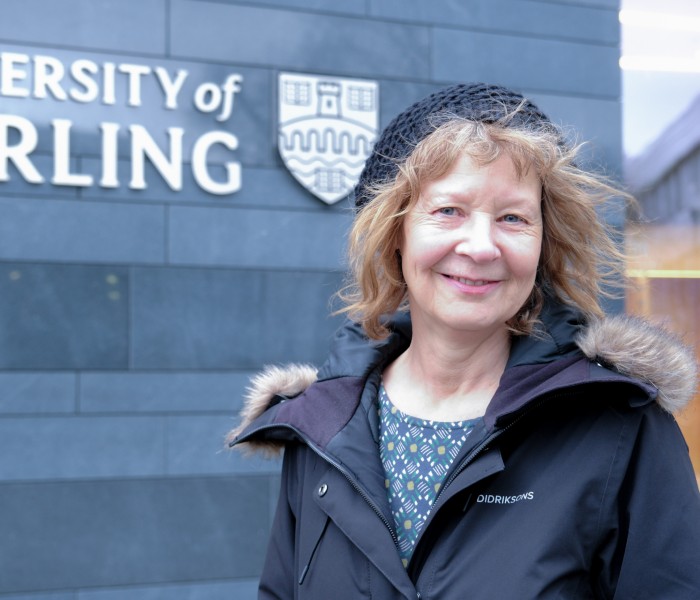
480,430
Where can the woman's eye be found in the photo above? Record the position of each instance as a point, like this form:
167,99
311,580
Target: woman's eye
448,211
512,219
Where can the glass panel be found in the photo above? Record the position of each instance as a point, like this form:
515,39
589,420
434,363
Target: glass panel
665,269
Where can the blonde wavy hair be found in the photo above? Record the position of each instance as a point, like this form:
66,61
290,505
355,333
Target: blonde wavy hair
579,260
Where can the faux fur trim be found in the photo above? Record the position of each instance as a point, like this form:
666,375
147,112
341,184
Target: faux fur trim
637,348
271,382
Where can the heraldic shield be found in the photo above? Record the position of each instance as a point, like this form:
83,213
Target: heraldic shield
327,127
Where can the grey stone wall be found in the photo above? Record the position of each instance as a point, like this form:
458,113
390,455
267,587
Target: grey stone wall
131,319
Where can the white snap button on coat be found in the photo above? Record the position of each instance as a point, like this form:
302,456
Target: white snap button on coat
322,490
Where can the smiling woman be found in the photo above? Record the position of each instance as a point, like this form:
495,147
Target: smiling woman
480,401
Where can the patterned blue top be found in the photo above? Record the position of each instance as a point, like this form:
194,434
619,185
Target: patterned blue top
416,455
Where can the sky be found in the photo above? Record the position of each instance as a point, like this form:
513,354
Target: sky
660,62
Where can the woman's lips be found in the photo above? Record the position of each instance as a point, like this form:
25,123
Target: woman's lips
471,282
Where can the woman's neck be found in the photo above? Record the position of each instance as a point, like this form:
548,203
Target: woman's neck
447,380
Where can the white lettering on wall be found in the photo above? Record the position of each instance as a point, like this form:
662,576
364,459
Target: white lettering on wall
62,154
199,163
83,72
19,153
170,88
143,145
108,95
48,72
84,81
10,74
209,96
134,72
109,155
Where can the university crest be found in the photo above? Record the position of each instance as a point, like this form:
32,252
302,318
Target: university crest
327,127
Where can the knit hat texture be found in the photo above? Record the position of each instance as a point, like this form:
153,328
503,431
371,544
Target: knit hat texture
473,101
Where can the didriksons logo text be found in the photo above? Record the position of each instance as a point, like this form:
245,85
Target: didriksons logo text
495,499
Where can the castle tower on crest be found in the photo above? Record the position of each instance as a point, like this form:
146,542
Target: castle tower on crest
328,99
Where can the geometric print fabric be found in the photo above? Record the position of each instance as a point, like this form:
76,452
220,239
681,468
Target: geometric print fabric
416,455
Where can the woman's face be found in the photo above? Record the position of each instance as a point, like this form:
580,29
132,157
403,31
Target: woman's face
470,246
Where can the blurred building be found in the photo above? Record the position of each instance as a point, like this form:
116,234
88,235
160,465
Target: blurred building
666,176
157,246
665,245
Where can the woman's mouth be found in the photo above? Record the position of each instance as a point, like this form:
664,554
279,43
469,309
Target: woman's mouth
471,282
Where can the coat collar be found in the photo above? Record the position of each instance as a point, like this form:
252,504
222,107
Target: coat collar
299,401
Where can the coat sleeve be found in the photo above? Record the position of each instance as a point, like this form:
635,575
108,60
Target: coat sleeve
652,548
277,579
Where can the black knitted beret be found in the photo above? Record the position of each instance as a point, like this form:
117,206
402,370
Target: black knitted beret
473,101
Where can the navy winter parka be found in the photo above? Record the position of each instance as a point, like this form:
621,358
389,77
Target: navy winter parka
577,484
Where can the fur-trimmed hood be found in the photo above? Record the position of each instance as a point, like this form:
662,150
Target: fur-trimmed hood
626,345
637,348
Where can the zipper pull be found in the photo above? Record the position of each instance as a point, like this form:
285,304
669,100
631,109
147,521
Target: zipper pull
303,573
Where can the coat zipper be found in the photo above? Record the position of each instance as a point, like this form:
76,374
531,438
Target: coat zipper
476,451
359,490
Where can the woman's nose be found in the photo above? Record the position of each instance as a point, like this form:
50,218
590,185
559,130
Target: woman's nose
476,240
